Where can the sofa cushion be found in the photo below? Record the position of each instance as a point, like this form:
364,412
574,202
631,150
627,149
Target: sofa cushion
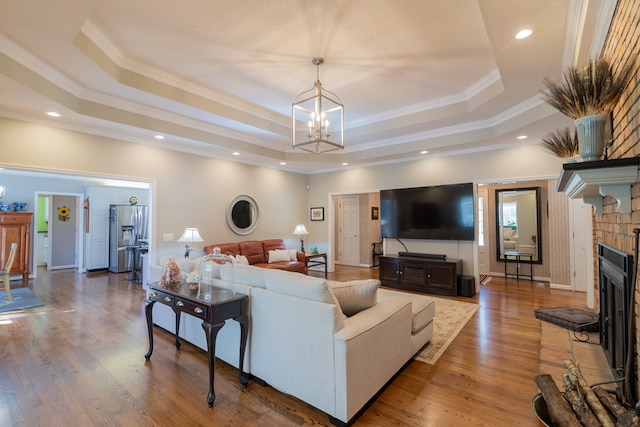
293,255
273,244
241,259
253,250
244,274
231,249
356,295
423,307
299,285
278,255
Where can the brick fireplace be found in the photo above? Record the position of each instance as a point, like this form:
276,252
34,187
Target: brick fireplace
613,228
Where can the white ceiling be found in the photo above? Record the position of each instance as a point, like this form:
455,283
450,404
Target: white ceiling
217,77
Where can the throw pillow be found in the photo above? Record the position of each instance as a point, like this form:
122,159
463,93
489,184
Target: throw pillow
293,254
279,255
356,295
241,259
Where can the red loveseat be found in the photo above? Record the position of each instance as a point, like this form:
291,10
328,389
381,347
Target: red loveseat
257,253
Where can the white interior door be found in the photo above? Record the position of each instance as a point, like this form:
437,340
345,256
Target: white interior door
482,227
581,237
348,226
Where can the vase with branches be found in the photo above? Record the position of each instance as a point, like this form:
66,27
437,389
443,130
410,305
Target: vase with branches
588,95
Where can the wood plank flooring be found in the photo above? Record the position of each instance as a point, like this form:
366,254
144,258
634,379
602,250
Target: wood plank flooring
79,361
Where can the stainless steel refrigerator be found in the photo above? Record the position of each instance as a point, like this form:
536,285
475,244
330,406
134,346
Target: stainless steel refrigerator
128,231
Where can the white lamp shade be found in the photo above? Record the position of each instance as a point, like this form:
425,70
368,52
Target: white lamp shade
300,230
190,235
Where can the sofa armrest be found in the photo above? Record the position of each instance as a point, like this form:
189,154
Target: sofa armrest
372,346
300,257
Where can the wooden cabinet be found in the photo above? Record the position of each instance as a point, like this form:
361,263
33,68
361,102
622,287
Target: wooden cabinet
427,275
15,227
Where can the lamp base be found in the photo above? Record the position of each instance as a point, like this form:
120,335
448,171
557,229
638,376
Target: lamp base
302,245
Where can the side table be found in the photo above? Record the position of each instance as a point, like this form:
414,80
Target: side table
518,257
308,257
214,306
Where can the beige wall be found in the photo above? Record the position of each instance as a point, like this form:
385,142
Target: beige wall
188,190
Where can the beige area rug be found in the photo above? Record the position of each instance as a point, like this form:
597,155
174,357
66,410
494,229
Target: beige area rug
450,318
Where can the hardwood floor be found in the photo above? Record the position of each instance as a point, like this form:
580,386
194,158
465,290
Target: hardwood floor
78,361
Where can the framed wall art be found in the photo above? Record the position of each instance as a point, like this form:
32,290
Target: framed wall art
375,213
317,214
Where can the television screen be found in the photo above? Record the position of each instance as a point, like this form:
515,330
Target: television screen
443,212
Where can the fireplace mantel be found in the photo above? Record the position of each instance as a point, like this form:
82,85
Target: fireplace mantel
592,181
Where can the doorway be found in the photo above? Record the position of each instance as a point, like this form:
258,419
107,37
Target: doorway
58,219
348,230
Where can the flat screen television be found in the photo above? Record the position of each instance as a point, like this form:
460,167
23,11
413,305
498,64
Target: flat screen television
442,212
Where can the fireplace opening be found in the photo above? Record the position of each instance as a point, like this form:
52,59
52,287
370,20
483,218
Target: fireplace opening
615,274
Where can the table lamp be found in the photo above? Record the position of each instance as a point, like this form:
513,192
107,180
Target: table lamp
190,235
301,230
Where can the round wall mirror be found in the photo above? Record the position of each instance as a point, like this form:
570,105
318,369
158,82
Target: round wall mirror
242,215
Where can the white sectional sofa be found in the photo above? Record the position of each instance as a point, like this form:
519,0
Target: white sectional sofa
302,343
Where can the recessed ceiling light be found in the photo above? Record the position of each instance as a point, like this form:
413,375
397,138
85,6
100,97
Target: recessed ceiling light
159,137
53,114
424,152
345,164
283,163
522,137
235,153
523,34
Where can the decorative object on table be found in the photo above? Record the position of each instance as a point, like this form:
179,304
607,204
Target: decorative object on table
6,207
317,214
190,235
20,206
300,231
192,279
375,213
321,117
588,95
208,269
170,272
313,249
133,200
562,143
63,213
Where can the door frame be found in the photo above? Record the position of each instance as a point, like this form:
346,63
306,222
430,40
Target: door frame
331,218
79,258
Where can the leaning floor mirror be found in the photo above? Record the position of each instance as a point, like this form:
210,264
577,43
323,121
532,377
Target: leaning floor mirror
518,223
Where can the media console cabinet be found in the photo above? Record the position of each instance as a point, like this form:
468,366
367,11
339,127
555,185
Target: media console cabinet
429,275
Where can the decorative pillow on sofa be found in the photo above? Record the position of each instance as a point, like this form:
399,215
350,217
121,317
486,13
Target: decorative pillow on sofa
293,254
241,259
356,295
279,255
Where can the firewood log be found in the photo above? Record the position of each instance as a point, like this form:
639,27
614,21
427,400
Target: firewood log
628,419
591,398
609,402
560,412
579,405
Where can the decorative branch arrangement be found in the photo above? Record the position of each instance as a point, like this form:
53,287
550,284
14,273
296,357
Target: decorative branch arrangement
592,89
562,143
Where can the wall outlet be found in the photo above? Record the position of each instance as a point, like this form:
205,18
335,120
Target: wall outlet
167,237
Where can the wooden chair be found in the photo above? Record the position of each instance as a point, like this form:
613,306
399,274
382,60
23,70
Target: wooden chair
6,273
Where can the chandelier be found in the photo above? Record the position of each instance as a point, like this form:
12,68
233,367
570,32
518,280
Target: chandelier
318,118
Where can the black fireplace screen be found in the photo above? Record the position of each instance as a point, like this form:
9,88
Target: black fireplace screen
615,270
